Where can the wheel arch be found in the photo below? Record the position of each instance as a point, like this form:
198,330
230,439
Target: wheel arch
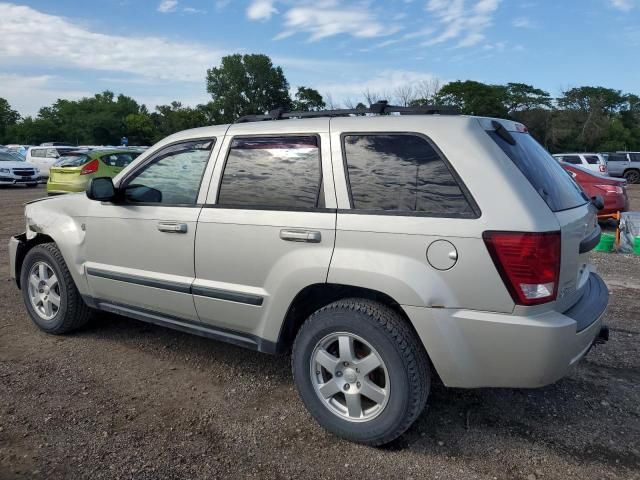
24,246
314,297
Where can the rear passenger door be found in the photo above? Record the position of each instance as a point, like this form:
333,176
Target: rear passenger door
267,229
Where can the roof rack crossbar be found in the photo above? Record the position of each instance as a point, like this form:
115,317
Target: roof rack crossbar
378,108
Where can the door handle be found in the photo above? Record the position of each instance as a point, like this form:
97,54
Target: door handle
309,236
172,227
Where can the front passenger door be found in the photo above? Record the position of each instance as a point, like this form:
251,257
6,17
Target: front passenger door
140,249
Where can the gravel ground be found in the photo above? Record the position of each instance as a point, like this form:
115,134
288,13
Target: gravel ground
123,399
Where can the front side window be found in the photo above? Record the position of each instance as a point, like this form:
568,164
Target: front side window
172,177
272,172
402,173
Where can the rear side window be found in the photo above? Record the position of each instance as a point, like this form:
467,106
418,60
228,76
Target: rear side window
592,159
572,159
546,176
615,157
402,173
38,152
272,172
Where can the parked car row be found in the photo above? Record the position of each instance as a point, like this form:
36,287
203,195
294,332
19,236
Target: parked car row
66,168
75,168
617,164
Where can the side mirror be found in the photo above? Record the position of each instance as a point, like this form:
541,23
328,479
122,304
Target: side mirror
598,202
101,189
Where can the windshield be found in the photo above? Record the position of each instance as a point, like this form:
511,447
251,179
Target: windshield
10,157
74,160
544,173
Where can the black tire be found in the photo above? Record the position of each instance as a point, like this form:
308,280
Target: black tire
632,176
72,313
403,354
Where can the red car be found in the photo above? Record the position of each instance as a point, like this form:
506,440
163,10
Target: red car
612,190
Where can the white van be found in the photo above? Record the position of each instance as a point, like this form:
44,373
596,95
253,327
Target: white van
44,157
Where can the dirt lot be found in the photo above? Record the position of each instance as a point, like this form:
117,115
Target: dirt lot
123,399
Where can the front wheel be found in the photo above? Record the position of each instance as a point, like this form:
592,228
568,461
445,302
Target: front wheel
50,295
632,176
361,371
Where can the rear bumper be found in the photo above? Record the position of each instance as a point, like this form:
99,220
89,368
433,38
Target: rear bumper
471,349
57,187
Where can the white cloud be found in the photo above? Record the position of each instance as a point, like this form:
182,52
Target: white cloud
261,9
623,5
523,22
461,20
383,83
324,18
167,6
28,93
32,38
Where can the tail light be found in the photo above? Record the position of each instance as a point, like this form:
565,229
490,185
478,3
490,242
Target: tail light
529,264
603,168
91,167
611,189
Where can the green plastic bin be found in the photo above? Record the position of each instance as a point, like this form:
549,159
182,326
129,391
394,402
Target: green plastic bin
636,246
606,243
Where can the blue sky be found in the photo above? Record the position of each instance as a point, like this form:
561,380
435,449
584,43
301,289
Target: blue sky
158,50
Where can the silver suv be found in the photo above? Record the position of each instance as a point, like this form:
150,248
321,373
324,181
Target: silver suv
380,249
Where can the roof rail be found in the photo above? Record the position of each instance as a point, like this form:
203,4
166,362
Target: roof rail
379,108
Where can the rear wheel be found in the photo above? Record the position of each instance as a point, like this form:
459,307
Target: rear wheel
632,176
49,293
361,371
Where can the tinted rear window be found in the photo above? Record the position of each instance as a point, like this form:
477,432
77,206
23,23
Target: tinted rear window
72,160
272,172
402,173
546,176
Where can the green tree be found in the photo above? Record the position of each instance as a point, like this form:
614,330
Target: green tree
247,84
308,99
475,98
175,117
139,129
8,118
520,96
